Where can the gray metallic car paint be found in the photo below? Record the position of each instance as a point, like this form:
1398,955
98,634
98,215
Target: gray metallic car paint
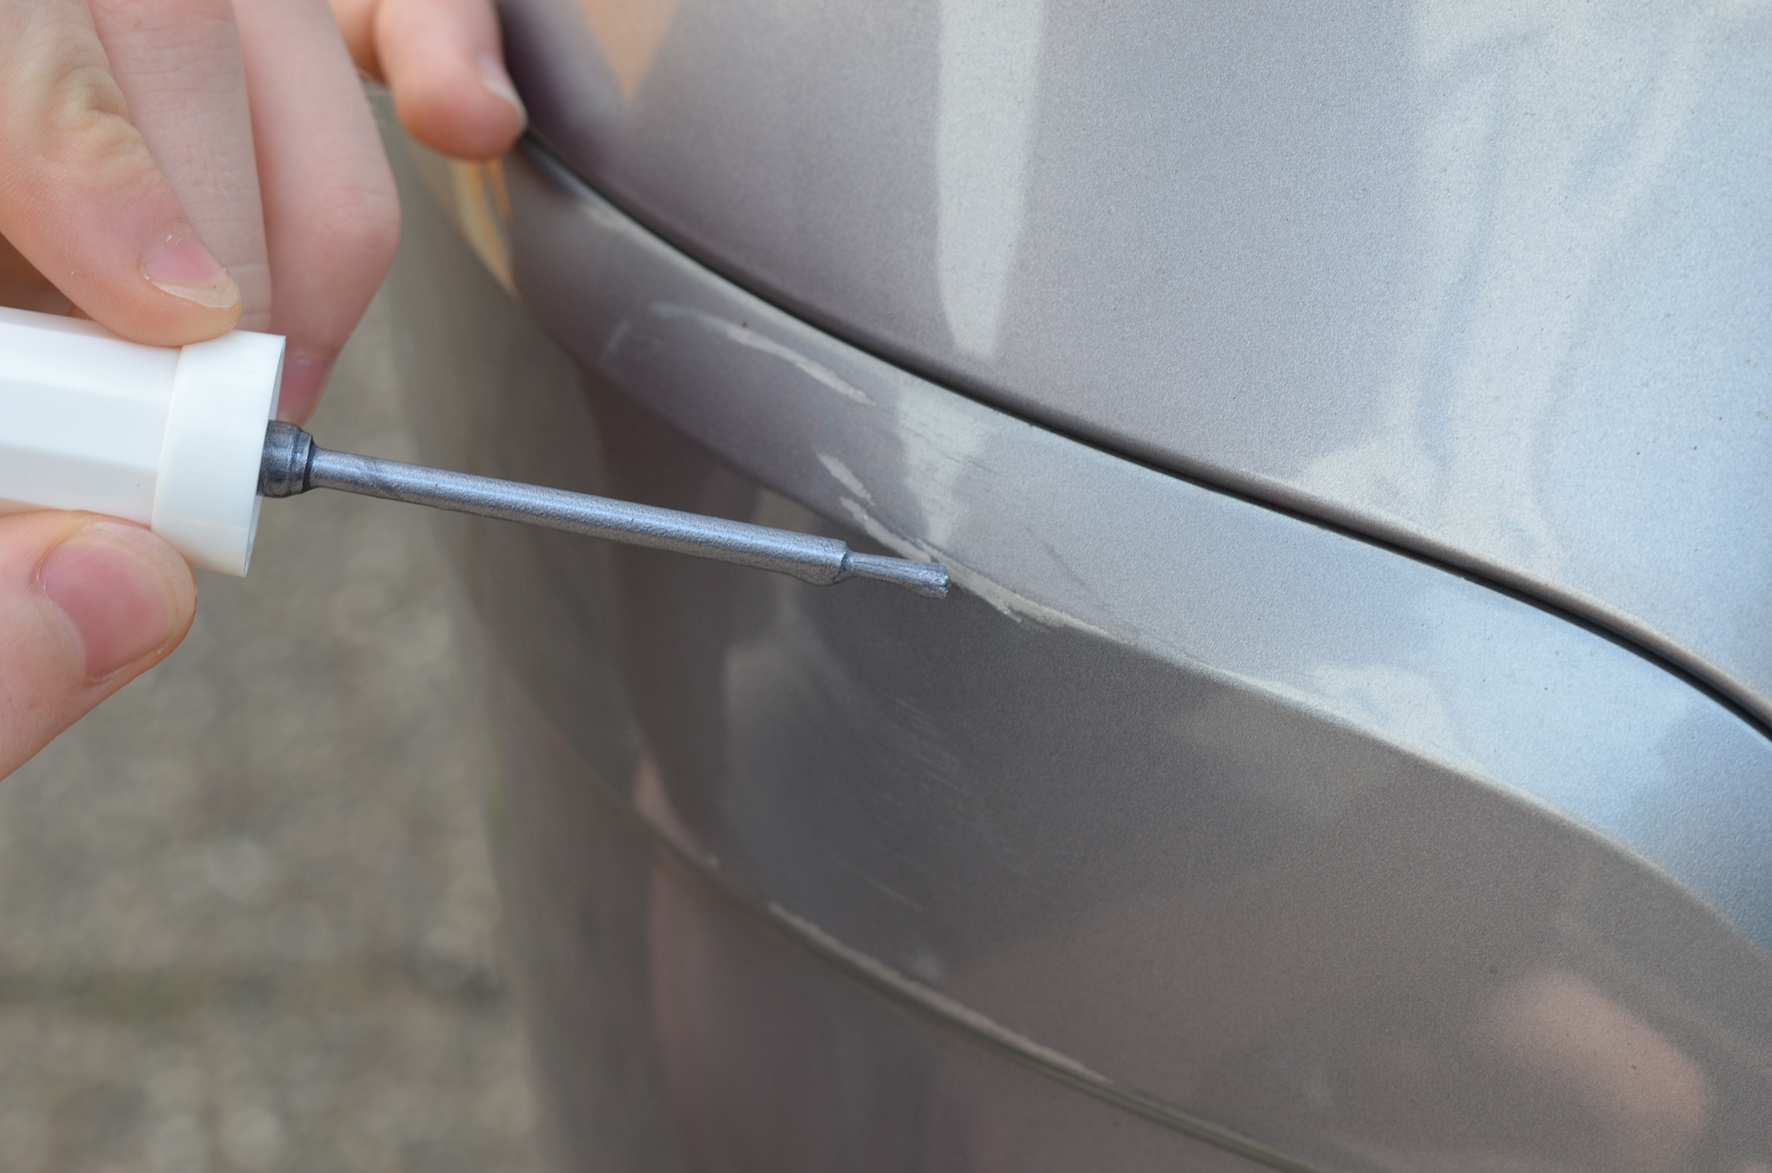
1490,280
1187,833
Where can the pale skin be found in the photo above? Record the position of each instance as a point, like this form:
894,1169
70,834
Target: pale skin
173,169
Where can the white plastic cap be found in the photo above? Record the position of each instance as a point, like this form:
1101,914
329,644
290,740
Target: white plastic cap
168,438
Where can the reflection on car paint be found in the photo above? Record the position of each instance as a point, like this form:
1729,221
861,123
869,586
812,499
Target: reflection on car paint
1299,840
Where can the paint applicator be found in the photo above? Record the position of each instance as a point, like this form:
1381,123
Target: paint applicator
185,442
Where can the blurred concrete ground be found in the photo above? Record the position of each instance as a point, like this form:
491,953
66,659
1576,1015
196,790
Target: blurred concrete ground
247,919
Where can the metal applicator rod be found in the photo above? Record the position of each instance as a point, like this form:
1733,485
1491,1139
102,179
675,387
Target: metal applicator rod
293,464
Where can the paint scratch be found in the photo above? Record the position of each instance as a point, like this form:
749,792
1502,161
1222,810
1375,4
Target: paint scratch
1006,601
747,337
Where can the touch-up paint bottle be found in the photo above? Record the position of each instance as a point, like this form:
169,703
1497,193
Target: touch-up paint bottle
171,439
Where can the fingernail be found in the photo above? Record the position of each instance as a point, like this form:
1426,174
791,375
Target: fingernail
304,377
179,264
498,83
112,583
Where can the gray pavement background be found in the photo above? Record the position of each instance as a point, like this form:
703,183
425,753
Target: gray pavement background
247,920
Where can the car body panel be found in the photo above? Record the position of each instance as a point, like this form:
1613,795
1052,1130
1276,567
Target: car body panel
1215,816
1487,281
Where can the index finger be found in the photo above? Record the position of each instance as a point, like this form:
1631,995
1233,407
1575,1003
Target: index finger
178,65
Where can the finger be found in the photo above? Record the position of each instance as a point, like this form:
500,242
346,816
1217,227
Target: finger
356,23
81,197
444,62
332,216
178,65
86,605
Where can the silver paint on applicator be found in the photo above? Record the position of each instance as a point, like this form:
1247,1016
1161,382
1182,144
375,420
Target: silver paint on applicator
293,464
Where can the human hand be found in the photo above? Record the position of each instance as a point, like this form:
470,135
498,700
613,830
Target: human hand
160,160
445,65
163,159
86,605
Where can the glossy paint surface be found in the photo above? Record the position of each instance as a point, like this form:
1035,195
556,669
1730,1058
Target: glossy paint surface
1492,281
1185,826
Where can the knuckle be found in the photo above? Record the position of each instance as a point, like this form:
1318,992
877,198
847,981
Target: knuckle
88,135
80,95
78,123
365,219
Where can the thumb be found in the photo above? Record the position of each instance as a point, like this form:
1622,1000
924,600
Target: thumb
86,605
81,197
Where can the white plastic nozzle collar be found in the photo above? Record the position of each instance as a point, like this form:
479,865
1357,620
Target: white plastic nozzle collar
171,439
